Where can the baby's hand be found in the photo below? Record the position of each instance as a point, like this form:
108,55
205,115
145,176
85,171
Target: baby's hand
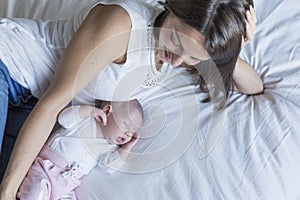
250,26
99,115
131,143
126,148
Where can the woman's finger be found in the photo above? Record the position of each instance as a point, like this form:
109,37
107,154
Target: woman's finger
253,12
251,20
249,32
250,26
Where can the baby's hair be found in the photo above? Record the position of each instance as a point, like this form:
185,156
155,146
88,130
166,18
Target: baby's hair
101,103
132,105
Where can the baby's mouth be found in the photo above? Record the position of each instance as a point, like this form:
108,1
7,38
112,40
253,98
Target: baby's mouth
120,140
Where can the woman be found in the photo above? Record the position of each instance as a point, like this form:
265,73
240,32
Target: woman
104,36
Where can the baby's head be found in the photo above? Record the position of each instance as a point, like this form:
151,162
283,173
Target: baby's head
124,119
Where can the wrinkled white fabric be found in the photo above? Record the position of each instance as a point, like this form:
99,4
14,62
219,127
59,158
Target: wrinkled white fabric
256,156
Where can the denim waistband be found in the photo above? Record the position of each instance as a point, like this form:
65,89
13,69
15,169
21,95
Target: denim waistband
15,90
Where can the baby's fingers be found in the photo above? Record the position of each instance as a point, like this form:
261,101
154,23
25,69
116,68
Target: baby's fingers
134,139
132,142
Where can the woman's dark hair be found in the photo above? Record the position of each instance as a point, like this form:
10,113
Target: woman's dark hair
223,25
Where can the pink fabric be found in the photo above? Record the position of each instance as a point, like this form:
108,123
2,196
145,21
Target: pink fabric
50,177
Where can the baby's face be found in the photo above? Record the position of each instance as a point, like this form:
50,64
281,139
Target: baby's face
121,127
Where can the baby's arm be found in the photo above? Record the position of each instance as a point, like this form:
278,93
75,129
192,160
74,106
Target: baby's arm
72,115
112,160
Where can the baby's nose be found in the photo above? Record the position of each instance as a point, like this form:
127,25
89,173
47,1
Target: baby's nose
129,134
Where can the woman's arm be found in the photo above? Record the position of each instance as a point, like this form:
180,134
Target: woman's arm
101,39
245,78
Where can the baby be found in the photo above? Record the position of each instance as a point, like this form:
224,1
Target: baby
89,136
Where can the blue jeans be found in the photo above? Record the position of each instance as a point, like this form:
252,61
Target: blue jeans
16,103
10,92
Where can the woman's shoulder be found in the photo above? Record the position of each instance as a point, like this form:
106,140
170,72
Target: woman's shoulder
140,13
109,14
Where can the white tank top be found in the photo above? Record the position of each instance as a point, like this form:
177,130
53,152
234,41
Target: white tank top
31,50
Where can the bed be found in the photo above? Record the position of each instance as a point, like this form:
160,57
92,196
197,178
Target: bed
250,150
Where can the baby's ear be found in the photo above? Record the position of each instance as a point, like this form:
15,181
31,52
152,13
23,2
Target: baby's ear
107,109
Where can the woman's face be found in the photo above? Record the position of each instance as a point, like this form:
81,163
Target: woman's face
179,43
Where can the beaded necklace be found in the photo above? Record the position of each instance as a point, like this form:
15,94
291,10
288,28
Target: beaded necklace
154,76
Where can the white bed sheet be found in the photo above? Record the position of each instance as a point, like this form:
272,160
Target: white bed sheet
257,154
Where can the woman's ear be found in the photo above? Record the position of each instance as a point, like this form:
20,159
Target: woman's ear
107,109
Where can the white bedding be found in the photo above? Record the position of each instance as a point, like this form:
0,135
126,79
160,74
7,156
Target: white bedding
256,153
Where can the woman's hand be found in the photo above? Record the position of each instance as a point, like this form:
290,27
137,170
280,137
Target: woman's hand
250,26
5,195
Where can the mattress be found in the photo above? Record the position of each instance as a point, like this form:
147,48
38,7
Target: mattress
250,150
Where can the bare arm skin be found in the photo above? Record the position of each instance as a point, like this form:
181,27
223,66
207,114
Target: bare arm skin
246,80
76,69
